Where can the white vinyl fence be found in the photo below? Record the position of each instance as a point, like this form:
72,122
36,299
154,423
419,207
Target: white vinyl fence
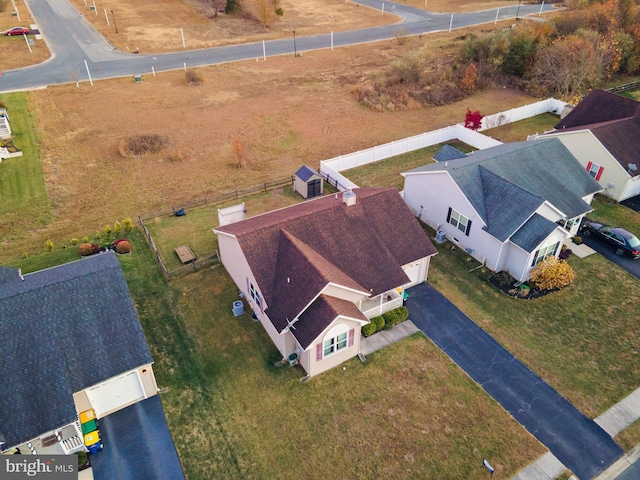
330,169
516,114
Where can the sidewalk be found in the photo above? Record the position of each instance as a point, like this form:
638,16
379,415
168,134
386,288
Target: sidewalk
581,250
387,337
613,421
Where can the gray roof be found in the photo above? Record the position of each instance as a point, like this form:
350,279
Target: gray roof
448,153
304,173
63,329
507,183
533,233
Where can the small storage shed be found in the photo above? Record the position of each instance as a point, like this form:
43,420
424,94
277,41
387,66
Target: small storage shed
307,182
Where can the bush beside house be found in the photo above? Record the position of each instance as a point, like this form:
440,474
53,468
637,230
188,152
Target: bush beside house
385,321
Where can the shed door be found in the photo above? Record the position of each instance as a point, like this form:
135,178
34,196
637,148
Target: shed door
414,273
115,393
313,188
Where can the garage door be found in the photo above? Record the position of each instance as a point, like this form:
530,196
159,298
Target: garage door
115,393
414,273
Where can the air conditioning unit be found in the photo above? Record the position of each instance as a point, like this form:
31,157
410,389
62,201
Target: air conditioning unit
441,236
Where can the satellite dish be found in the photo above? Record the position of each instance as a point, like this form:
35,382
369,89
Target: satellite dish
633,167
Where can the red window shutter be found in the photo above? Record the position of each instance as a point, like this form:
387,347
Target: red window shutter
319,351
352,335
589,166
599,174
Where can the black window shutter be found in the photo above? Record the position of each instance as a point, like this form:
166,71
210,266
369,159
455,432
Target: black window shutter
466,232
535,255
555,250
449,215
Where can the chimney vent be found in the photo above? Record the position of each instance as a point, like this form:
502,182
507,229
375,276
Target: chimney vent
349,198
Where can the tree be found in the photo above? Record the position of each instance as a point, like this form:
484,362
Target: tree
473,120
469,81
569,66
519,55
239,158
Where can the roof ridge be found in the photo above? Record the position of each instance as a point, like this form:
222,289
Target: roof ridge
305,251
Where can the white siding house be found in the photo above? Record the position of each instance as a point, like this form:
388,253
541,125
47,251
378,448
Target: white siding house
508,206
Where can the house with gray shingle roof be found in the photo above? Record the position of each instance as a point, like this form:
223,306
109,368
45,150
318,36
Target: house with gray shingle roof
603,133
71,341
508,206
316,272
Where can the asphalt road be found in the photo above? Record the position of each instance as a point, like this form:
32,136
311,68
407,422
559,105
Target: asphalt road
578,442
73,41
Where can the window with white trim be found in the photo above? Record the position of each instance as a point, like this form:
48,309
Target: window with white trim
255,295
459,221
594,169
334,344
335,340
546,252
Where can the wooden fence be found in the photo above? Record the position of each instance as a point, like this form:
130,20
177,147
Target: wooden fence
625,88
216,200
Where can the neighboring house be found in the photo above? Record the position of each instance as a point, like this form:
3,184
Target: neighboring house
603,133
316,272
71,341
508,206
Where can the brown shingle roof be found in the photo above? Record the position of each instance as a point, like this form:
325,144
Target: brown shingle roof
362,246
597,107
319,316
613,120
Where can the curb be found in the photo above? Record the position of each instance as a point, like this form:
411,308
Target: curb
621,465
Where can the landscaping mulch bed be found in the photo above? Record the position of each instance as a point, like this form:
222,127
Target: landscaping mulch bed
505,283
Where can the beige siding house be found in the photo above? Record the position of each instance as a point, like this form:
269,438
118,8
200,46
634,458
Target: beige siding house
603,133
316,272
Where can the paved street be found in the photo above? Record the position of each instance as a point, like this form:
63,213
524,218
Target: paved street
74,42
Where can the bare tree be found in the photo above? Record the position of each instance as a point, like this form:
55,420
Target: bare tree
569,66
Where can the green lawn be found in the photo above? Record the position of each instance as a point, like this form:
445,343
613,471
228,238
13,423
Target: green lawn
518,131
629,437
232,414
387,172
608,211
194,229
24,204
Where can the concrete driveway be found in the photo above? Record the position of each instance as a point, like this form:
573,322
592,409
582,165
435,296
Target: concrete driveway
577,441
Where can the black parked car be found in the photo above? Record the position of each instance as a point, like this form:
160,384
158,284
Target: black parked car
624,242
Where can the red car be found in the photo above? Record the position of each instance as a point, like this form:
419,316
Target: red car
17,31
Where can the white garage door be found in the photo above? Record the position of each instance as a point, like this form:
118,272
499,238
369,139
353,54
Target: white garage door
414,273
115,393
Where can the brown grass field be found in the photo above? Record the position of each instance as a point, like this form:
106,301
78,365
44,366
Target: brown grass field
14,52
285,112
